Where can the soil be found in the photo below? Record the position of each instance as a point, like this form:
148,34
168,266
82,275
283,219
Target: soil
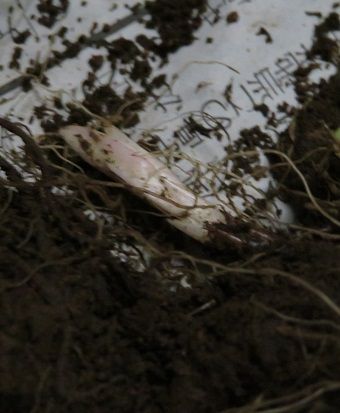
311,144
81,331
323,46
176,22
50,12
232,17
264,32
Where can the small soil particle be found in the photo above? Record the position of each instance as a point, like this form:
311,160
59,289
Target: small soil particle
264,32
232,17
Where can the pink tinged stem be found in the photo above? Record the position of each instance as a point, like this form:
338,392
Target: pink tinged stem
116,155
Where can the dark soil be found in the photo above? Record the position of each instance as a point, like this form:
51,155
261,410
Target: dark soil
232,17
311,144
82,332
264,32
176,21
323,46
51,10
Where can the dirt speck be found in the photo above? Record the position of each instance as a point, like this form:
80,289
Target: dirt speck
264,32
232,17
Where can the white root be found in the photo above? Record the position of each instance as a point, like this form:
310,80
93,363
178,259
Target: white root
116,155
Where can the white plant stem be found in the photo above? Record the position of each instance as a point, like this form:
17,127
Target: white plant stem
112,152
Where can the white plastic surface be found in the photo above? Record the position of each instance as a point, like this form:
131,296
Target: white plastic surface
198,73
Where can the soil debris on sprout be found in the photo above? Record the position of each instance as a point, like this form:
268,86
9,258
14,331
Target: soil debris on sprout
83,331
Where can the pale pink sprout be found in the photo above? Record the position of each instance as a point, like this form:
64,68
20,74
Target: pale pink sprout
116,155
